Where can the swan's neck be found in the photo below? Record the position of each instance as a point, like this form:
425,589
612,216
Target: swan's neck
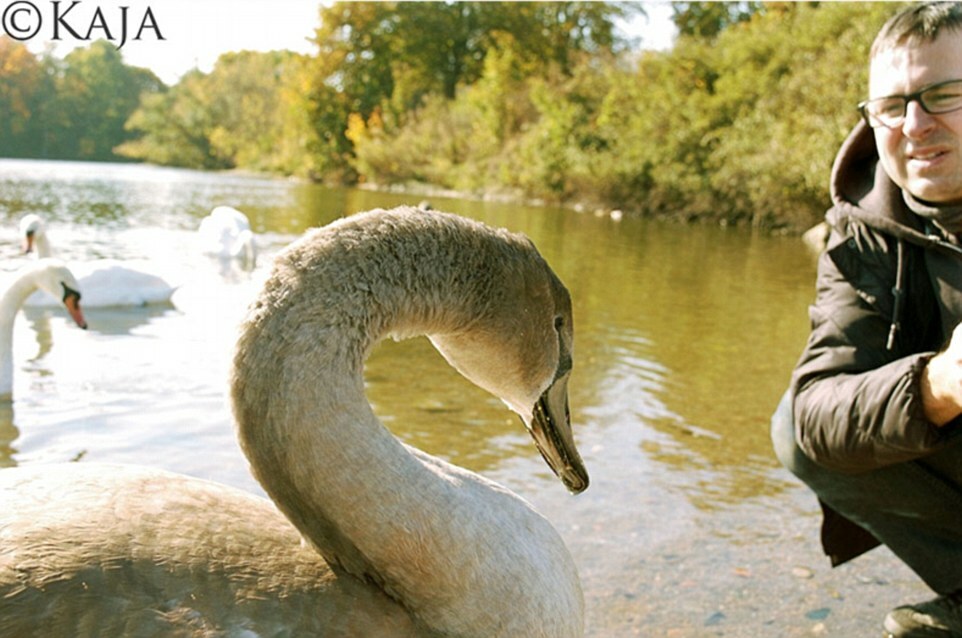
243,246
349,486
41,245
10,303
437,538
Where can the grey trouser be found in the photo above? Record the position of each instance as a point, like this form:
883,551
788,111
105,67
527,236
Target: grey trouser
914,508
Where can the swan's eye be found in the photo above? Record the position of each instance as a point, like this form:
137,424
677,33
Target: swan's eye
559,322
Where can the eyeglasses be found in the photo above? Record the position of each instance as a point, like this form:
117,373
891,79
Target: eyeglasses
889,111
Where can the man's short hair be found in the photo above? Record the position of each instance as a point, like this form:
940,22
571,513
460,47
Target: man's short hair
918,24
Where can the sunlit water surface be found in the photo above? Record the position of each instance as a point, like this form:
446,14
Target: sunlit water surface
685,338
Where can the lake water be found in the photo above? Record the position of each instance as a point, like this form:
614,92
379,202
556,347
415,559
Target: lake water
684,341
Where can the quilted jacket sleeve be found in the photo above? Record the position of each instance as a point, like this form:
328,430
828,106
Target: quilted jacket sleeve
857,405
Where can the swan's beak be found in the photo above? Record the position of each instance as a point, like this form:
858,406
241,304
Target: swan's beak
551,429
28,243
72,302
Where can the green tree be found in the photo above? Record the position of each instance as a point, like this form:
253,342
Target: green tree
244,93
738,123
73,108
173,127
248,112
708,19
23,86
388,57
95,95
802,97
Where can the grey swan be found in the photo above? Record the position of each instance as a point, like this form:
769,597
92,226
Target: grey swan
366,537
49,275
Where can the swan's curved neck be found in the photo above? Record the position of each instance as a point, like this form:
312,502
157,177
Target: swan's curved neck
10,303
312,438
41,244
435,537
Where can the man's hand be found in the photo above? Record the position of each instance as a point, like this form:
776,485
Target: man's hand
942,382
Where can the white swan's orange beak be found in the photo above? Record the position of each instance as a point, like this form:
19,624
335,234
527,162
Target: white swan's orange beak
551,429
28,243
72,301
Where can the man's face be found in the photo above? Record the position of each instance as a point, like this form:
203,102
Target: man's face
924,154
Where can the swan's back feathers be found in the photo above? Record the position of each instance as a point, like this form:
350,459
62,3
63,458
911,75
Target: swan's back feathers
113,559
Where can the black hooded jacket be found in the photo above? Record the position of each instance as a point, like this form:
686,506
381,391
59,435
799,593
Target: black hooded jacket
878,317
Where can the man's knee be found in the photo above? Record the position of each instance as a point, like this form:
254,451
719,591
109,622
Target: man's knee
784,444
783,431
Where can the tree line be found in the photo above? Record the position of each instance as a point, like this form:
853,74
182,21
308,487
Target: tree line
75,108
737,123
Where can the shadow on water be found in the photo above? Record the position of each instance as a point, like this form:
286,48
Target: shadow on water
39,321
117,322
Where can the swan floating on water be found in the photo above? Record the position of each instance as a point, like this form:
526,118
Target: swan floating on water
49,275
226,233
370,537
105,282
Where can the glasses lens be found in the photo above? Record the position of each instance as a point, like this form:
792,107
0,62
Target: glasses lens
943,98
885,111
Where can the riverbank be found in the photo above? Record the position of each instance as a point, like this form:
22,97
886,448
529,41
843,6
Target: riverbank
426,193
701,586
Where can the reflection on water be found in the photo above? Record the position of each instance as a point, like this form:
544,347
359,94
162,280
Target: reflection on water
39,320
106,321
8,434
685,338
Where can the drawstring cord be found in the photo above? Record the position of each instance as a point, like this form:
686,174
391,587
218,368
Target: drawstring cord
898,296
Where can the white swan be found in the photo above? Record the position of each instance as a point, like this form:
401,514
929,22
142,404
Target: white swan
105,282
226,233
49,275
399,544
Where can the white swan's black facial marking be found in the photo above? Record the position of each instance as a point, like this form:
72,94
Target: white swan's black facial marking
69,292
71,299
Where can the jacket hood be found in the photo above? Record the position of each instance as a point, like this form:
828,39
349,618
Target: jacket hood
861,188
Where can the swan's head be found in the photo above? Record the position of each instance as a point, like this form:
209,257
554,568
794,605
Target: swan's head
521,351
53,277
31,227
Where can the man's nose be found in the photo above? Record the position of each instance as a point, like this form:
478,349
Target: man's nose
917,120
